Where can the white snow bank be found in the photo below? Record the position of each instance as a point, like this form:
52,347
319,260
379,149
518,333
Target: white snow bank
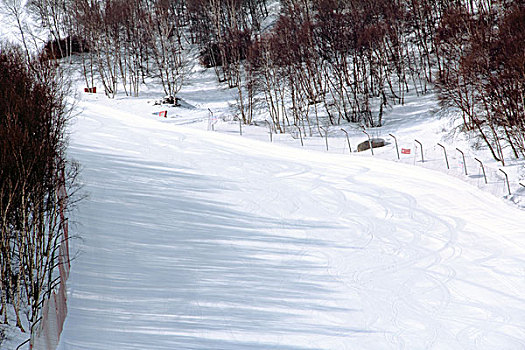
200,240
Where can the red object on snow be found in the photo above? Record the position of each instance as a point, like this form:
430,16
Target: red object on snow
92,90
163,114
405,150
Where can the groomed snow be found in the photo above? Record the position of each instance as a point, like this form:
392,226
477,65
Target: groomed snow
193,239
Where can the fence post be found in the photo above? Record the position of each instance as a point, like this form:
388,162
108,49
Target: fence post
482,168
445,151
421,145
464,162
369,142
325,136
507,179
397,149
347,139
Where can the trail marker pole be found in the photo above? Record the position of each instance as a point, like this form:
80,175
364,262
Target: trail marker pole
507,179
397,148
325,137
369,142
240,126
444,151
464,162
482,168
347,140
421,145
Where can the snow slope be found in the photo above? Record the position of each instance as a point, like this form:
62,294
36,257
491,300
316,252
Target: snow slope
200,240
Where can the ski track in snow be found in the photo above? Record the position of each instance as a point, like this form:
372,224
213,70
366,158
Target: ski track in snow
197,240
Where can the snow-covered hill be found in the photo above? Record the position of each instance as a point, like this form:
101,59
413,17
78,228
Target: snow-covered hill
193,239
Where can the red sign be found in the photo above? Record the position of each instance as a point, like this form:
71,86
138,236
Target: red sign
405,150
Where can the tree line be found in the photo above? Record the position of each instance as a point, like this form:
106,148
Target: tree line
33,166
328,61
319,62
482,71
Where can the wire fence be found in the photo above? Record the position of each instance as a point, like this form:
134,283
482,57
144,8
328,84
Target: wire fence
466,165
501,181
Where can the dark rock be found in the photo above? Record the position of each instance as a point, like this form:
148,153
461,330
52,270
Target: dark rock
376,143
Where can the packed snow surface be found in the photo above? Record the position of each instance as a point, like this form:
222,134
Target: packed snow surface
193,239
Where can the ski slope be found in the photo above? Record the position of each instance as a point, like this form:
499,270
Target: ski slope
199,240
